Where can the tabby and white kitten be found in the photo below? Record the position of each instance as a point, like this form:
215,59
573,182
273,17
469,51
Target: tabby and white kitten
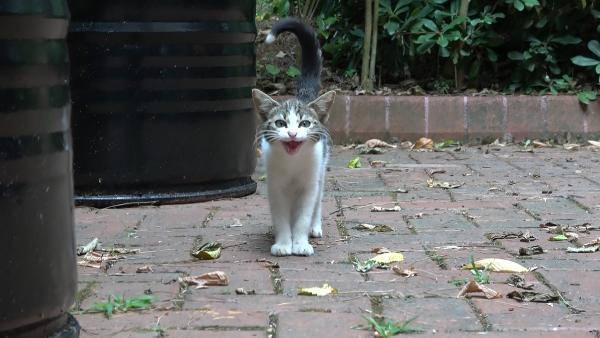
295,148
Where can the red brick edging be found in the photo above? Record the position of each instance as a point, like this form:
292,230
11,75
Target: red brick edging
466,118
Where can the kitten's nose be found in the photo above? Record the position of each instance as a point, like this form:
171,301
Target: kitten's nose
292,133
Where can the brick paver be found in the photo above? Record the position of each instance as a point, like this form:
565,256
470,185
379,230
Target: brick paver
504,190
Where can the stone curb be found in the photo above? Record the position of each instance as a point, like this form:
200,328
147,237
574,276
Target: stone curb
471,119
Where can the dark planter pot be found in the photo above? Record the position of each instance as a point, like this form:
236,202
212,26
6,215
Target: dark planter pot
37,246
162,107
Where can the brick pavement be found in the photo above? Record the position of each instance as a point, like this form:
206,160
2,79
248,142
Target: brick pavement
437,231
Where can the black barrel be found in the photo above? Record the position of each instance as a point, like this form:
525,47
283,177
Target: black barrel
38,275
162,107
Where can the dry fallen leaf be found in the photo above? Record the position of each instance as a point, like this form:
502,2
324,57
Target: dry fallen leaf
372,143
82,250
473,287
377,164
518,281
571,146
325,290
404,272
530,251
207,279
540,144
236,223
383,209
380,250
584,249
496,265
374,227
207,251
144,269
407,145
432,183
531,296
387,258
594,143
242,291
424,143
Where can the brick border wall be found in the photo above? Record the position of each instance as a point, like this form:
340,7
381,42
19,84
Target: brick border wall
466,118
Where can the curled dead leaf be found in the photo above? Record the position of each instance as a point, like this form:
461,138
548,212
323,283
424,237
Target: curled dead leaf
383,209
207,251
404,272
432,183
84,249
144,269
594,143
496,265
474,287
380,250
571,146
325,290
374,227
532,296
372,143
219,278
424,143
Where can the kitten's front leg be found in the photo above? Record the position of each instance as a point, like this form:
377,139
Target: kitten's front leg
280,215
303,223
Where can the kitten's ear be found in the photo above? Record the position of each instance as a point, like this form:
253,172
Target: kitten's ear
322,105
263,103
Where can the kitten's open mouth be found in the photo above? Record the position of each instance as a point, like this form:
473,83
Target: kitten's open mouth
291,147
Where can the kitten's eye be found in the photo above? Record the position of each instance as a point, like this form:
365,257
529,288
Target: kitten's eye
305,123
280,123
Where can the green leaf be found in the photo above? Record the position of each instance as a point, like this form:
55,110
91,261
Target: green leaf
430,24
519,5
425,38
594,46
531,3
442,41
354,163
567,40
492,56
598,69
584,61
542,22
559,238
293,71
453,35
391,27
586,96
272,69
517,56
444,52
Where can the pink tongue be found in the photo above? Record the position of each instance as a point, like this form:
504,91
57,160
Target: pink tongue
291,146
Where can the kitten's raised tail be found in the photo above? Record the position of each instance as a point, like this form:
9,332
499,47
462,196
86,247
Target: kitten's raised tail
309,82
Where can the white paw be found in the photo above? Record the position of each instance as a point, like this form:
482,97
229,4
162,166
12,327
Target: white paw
316,232
302,249
281,249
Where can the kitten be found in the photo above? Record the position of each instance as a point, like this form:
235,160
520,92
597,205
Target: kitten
295,148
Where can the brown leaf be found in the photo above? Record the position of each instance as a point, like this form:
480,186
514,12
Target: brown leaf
383,209
424,143
404,272
372,143
144,269
530,251
432,183
380,250
473,287
540,144
204,280
377,164
518,281
532,296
